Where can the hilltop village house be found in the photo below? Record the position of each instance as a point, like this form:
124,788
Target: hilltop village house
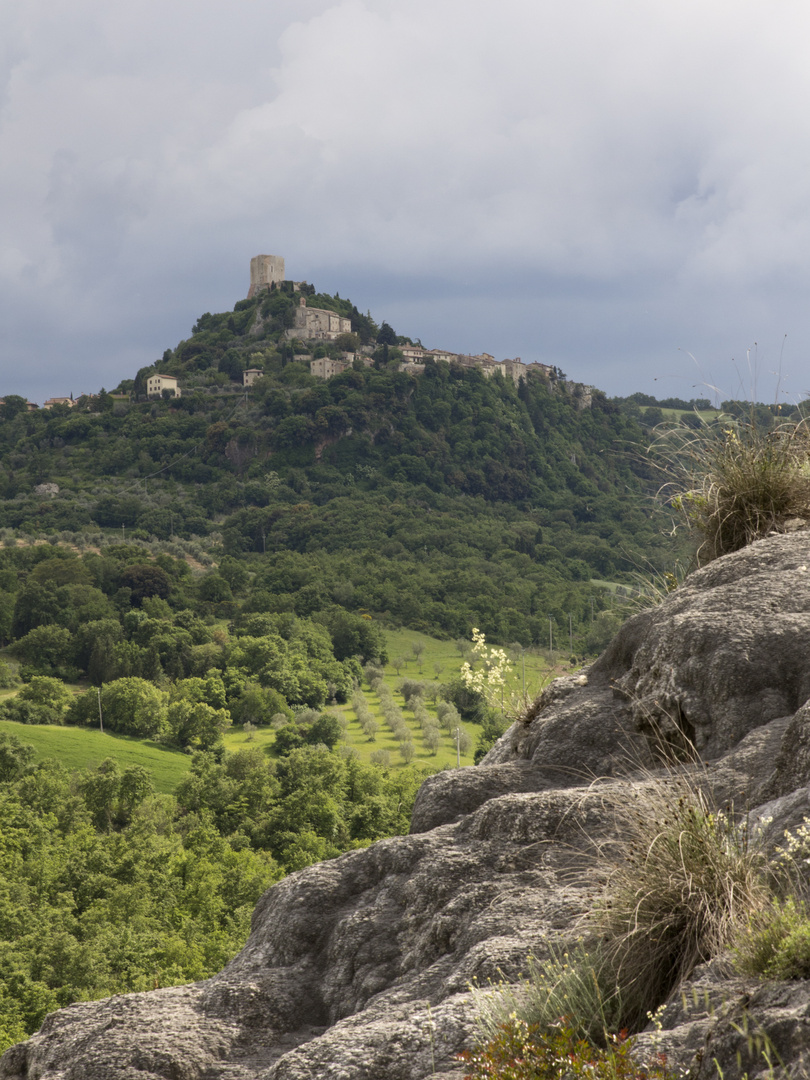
156,384
414,357
317,324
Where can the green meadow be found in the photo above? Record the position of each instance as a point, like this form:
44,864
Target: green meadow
86,748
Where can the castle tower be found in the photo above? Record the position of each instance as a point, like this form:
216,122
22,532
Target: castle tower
264,271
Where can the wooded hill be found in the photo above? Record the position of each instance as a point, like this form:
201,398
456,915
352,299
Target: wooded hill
439,502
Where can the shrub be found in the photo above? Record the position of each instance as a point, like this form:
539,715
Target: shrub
576,984
521,1051
737,483
776,944
7,676
681,887
43,701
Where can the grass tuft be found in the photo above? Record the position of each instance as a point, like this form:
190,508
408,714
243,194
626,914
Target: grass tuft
575,986
734,483
687,880
682,886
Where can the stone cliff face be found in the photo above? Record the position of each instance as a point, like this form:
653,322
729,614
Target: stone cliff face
359,968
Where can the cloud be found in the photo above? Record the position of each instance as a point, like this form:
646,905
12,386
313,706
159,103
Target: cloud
634,171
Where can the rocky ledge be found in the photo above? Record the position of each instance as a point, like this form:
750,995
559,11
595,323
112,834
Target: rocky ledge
360,968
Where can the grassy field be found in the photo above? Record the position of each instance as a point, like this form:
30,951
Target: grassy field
442,660
85,748
413,656
706,415
400,644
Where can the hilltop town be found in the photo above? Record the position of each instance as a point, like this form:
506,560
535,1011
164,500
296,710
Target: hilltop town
267,272
312,325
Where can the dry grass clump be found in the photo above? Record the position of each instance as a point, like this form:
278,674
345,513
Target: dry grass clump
679,886
734,483
688,880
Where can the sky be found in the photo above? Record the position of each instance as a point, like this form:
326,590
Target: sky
618,189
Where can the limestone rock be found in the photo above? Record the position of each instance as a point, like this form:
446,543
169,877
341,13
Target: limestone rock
360,968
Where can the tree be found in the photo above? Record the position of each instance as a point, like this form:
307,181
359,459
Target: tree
112,796
196,725
354,635
326,730
61,571
132,706
407,750
347,342
234,573
257,704
386,336
12,406
46,648
232,365
35,605
50,694
417,648
215,589
146,580
15,757
95,645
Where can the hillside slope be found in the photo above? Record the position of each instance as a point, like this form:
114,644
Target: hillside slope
359,968
440,501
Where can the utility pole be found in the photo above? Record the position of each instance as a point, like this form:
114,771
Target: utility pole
458,748
100,717
123,535
550,640
571,631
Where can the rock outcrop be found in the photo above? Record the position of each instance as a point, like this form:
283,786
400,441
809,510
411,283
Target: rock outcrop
360,968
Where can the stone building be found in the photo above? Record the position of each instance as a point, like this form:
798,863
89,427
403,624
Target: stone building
250,376
443,354
513,369
265,270
317,324
413,354
325,367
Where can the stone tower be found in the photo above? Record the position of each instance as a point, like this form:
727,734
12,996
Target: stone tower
264,271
